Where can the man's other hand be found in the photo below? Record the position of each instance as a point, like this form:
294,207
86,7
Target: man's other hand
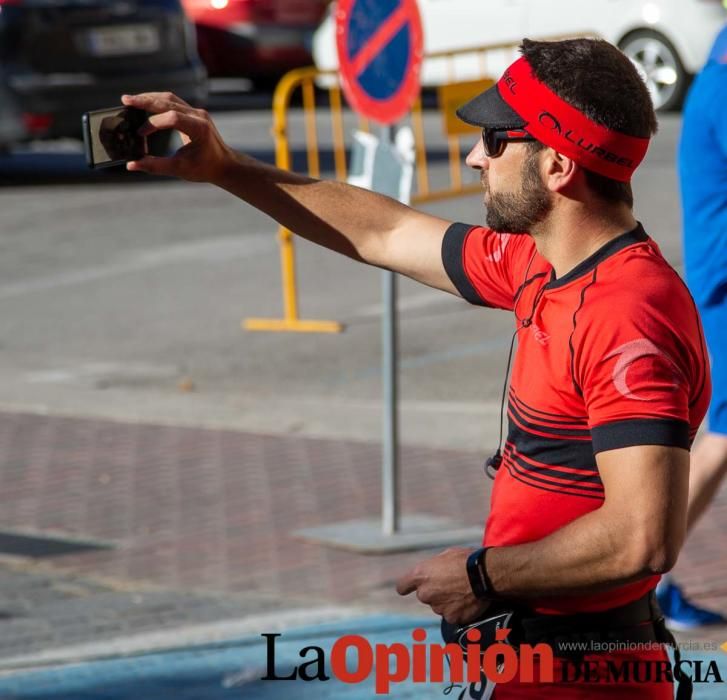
203,155
442,583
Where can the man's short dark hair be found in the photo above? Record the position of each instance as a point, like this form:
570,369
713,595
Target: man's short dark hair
600,81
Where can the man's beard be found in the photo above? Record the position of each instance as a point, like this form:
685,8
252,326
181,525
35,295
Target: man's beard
519,212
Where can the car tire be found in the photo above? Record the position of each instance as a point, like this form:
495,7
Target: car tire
659,64
265,83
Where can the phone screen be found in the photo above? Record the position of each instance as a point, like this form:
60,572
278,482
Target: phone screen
111,137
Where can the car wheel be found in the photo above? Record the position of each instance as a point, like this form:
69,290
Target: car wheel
659,65
265,83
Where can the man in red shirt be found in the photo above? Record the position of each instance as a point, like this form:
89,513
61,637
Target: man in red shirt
610,380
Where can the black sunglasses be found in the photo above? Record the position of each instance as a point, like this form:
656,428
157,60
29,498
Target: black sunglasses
495,140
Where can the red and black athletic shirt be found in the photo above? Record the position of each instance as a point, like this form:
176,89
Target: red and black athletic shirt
610,355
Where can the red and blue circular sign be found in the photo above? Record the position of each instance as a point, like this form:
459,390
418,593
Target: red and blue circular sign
380,48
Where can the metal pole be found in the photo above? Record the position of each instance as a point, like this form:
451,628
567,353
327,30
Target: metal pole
390,469
390,472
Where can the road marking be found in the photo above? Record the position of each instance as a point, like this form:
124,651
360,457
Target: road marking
213,251
500,342
482,349
182,637
415,301
119,371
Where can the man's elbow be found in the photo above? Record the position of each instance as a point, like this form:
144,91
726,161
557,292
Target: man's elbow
651,555
661,559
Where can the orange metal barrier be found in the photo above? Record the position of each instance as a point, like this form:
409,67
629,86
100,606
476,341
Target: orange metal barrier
304,80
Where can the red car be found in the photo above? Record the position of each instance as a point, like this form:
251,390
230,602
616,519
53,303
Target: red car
257,39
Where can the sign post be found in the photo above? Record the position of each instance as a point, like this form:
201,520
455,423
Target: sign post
380,50
385,166
390,521
380,47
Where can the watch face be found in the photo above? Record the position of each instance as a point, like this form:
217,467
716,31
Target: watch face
476,574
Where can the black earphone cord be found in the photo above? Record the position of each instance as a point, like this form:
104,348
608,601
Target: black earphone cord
493,463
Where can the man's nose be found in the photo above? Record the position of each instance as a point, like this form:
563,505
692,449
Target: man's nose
476,158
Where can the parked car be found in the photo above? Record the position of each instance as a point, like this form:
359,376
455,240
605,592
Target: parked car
11,120
668,40
256,39
60,58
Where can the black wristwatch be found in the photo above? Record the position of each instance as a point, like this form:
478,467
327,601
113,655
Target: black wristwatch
477,573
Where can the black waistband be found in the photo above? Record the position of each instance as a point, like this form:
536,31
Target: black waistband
575,636
608,623
638,622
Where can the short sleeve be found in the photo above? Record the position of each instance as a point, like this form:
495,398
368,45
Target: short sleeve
486,267
632,370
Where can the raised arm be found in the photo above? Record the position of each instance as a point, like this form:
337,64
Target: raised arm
363,225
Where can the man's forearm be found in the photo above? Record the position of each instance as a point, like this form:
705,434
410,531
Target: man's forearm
355,222
586,556
341,217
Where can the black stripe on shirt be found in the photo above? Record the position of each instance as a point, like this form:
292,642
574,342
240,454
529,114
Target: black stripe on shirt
570,479
561,490
641,431
517,415
452,259
577,420
574,427
553,451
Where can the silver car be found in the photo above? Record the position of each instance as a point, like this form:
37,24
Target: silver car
60,58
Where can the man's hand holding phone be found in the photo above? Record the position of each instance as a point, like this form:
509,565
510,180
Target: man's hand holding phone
203,157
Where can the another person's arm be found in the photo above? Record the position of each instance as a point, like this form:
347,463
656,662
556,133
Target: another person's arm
358,223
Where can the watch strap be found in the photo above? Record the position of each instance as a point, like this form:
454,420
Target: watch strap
476,573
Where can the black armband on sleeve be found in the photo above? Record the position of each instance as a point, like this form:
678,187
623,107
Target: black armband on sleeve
452,248
669,432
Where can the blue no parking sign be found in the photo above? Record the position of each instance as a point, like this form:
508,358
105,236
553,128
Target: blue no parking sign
380,48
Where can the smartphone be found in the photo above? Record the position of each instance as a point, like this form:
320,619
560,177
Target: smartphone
111,137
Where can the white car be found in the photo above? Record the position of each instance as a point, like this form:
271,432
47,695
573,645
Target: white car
668,40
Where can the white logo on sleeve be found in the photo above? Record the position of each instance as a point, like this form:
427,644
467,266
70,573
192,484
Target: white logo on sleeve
497,255
627,354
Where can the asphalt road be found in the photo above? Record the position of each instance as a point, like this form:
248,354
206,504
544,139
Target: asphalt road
122,296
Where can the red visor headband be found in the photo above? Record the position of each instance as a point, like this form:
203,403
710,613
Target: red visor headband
556,123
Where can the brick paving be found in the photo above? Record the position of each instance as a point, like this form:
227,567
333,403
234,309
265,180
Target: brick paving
211,512
215,509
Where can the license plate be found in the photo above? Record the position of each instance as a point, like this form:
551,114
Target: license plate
123,40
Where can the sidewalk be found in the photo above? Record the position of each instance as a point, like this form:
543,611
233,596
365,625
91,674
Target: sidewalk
213,510
194,526
192,535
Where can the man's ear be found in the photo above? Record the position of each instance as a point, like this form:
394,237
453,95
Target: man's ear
559,172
